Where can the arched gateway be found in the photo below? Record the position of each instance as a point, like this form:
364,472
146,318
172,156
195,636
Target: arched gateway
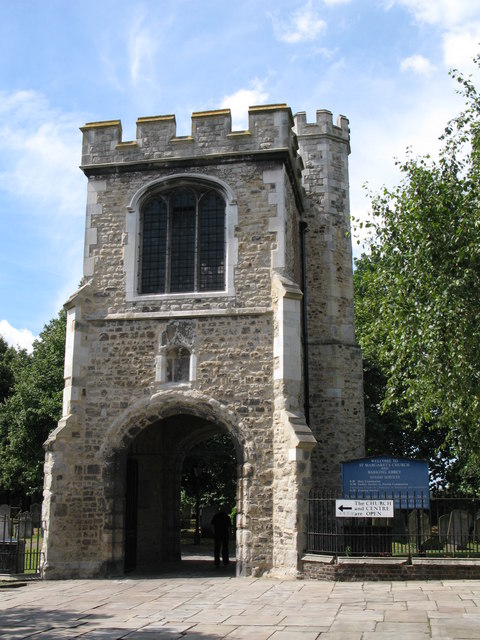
217,298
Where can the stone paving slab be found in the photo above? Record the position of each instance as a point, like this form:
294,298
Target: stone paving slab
203,608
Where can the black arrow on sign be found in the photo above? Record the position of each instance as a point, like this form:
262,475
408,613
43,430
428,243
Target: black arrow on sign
342,508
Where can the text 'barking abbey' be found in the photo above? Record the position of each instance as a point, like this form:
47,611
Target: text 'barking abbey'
217,299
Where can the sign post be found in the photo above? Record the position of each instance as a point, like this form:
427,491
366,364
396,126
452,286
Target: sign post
364,508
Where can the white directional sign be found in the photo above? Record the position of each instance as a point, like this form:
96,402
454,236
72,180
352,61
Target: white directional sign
364,508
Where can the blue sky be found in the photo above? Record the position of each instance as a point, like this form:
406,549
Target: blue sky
382,63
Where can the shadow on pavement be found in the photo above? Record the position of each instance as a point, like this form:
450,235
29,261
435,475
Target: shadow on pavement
197,561
20,623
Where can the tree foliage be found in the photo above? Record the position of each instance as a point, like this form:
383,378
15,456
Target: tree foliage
211,469
390,429
7,356
418,309
32,409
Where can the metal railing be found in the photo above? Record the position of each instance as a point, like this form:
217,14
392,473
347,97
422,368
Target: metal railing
20,544
423,525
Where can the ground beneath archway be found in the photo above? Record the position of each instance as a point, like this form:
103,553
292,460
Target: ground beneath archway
197,561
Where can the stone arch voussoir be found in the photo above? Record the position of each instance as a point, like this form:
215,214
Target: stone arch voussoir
163,404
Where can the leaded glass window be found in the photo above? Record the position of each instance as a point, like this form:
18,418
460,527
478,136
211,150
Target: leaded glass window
183,242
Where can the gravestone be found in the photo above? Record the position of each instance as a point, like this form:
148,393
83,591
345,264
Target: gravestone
36,511
25,525
6,528
459,525
399,530
443,523
5,510
419,526
476,529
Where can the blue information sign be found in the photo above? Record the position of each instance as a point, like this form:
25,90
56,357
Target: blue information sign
404,480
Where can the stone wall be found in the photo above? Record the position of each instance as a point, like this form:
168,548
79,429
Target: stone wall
385,569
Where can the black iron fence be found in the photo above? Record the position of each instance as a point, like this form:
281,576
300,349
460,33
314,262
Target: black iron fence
424,525
20,543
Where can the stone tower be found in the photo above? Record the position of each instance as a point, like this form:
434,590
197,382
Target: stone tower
217,298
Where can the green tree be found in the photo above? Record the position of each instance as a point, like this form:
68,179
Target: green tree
32,410
419,310
211,469
7,356
391,430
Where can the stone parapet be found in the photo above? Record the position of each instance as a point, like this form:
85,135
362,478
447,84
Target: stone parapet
323,126
269,128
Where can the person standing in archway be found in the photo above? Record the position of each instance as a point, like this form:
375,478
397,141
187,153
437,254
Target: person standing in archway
221,532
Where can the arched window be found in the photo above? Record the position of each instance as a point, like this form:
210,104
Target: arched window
182,242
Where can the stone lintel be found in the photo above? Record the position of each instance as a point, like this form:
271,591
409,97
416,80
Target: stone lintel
293,164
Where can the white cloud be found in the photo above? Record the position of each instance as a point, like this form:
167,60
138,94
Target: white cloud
418,64
460,22
39,155
304,25
393,132
460,45
142,50
18,338
333,3
447,13
239,102
39,158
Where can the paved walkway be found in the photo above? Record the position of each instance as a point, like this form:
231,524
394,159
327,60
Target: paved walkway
207,603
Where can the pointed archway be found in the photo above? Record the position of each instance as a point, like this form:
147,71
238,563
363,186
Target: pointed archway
144,453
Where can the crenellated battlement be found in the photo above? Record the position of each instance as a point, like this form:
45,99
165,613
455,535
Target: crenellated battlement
323,125
269,127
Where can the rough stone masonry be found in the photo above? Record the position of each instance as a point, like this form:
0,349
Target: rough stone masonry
217,298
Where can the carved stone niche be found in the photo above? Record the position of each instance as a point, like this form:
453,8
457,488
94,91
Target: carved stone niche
176,359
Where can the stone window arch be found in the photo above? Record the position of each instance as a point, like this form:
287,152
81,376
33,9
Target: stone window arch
180,239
